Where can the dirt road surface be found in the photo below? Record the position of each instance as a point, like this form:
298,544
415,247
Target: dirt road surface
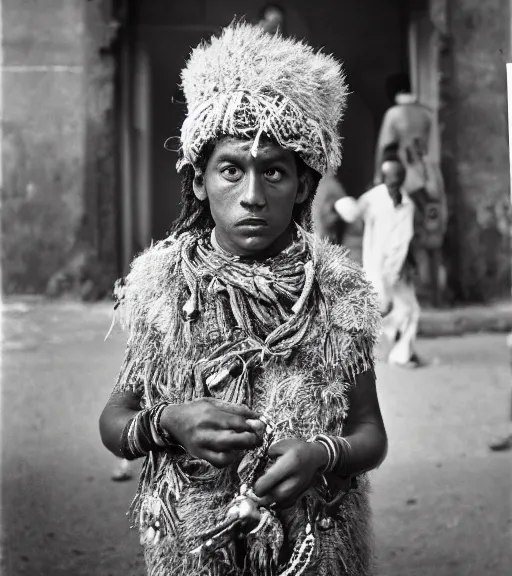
441,500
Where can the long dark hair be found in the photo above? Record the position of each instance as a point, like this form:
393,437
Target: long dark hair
195,215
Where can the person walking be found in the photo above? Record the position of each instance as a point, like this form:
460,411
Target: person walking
504,443
388,259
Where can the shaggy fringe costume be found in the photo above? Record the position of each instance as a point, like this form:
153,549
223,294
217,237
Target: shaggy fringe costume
188,319
286,336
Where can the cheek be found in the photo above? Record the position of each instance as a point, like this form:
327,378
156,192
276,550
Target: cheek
284,197
222,199
219,207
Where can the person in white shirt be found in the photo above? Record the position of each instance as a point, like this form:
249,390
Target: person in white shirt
388,215
409,124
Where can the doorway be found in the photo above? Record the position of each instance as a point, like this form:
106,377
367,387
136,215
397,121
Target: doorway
152,111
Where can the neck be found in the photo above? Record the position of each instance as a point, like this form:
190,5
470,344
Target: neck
396,195
406,99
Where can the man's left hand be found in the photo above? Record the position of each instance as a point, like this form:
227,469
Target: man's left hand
292,473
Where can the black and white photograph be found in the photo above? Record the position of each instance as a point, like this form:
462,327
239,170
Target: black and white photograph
256,308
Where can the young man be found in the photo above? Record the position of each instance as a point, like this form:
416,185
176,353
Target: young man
248,380
388,215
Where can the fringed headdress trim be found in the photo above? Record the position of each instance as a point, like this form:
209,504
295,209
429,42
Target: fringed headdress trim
246,83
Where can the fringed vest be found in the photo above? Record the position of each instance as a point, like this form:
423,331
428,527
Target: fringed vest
286,336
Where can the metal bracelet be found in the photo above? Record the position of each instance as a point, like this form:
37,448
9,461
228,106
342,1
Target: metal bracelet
332,451
156,415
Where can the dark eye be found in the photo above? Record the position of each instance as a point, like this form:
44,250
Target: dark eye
232,173
273,175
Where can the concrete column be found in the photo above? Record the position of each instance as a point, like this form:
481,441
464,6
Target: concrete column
473,118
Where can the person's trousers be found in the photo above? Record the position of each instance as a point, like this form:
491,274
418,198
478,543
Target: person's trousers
400,325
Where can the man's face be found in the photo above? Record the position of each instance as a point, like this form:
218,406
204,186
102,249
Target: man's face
272,19
393,174
251,198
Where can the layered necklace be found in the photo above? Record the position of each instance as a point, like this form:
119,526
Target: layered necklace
272,302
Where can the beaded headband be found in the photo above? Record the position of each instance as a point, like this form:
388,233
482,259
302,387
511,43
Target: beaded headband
247,83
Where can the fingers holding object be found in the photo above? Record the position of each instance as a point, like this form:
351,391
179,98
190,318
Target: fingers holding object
237,409
226,440
274,476
285,494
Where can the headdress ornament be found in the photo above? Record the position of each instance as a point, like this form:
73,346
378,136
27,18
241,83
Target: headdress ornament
246,83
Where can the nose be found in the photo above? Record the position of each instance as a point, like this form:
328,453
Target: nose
253,195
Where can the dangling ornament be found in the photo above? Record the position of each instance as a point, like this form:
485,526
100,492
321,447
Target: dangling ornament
150,521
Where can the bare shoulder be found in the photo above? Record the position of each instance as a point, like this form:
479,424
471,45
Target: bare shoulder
391,115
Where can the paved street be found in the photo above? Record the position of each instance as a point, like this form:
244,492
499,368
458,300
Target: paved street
442,501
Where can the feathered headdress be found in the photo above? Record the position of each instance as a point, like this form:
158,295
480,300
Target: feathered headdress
247,82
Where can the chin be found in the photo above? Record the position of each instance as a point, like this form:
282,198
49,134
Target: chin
253,245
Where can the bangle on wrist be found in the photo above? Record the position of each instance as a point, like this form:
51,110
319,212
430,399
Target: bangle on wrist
345,452
156,415
338,450
136,439
332,451
144,433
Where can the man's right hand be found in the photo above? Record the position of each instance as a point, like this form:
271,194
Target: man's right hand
211,429
347,209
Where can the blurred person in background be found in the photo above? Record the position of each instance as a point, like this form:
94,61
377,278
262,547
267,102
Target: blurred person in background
388,216
505,442
123,470
327,223
272,19
409,124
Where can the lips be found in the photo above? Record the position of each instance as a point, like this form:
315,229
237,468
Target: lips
252,221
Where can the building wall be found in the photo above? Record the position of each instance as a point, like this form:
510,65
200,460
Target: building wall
42,147
58,186
475,147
